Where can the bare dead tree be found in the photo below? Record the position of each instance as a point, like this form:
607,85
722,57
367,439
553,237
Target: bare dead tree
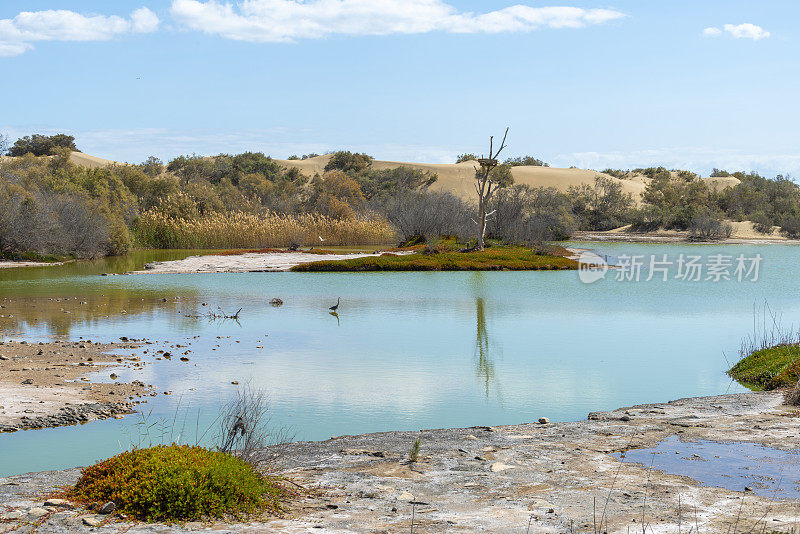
487,182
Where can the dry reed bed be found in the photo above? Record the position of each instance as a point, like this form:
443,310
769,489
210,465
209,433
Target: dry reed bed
245,230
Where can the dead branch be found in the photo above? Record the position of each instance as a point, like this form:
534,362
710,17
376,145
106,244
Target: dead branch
218,315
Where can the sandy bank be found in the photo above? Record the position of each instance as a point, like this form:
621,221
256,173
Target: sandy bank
44,384
243,263
561,477
9,264
743,234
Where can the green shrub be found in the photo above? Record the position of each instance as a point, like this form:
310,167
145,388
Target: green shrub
387,182
601,206
348,162
120,240
769,368
41,145
152,166
49,206
678,199
178,483
762,223
790,225
616,173
526,160
710,225
647,219
413,454
530,215
466,157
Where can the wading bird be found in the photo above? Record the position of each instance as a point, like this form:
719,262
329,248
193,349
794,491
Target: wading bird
334,308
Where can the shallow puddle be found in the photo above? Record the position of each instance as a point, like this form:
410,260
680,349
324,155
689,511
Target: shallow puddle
769,472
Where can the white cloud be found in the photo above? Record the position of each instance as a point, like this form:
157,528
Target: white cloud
144,21
18,34
747,31
697,159
739,31
288,20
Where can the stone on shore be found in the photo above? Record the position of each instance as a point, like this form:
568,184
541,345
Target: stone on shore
91,521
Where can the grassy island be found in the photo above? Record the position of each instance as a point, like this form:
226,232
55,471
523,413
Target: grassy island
448,257
769,368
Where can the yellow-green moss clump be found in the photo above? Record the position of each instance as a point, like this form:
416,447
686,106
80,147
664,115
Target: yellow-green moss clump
770,368
178,483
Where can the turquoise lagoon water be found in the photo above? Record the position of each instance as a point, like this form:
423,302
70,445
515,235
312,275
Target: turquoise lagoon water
407,350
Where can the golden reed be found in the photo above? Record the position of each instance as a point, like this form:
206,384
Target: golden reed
246,230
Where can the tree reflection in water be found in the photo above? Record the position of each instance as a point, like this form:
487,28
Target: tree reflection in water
484,346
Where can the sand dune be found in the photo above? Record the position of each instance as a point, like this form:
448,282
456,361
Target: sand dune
742,232
91,162
718,183
79,158
458,178
746,230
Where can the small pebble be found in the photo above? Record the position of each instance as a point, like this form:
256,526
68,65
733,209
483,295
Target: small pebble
36,513
107,508
91,521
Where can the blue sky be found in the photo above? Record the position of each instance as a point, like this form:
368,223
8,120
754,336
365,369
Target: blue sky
682,83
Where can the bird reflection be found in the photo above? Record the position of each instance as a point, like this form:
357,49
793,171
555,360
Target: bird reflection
335,315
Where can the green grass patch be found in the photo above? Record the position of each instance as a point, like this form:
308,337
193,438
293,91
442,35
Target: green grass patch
178,483
492,259
770,368
31,256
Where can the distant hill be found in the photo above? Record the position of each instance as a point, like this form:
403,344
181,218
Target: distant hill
459,177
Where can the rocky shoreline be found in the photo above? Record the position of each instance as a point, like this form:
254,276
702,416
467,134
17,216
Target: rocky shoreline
552,477
72,415
44,385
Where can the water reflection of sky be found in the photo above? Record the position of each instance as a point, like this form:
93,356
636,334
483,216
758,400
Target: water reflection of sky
766,471
409,350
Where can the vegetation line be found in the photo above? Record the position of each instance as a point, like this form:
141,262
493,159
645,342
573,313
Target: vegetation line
51,208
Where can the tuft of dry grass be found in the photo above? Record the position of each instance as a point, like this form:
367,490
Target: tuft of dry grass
770,357
792,396
248,231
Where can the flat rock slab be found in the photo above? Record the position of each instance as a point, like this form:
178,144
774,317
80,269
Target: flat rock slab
563,477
